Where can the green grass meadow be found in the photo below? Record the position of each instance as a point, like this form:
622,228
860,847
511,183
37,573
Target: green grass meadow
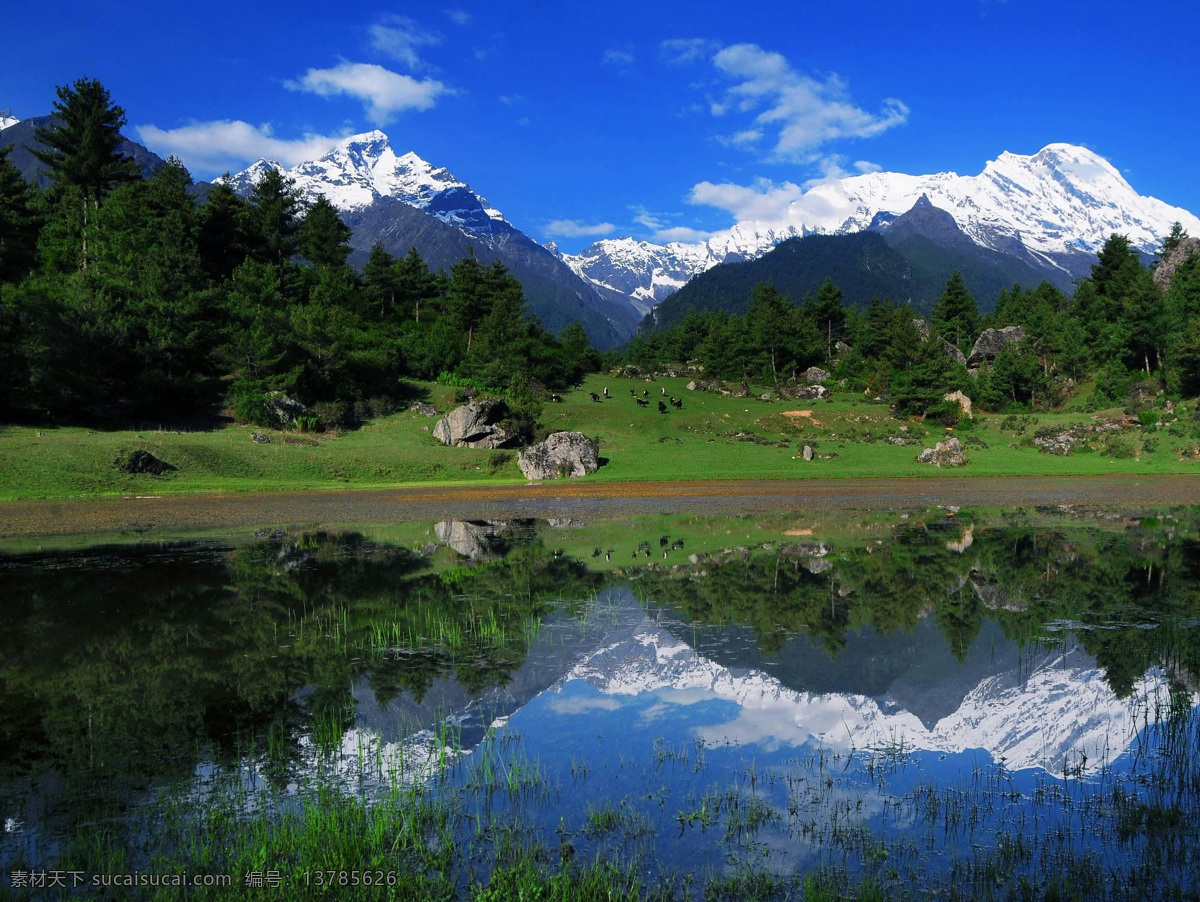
712,437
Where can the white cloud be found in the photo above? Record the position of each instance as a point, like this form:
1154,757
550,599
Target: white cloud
803,113
583,705
384,93
573,228
687,50
215,147
681,233
399,37
460,16
764,201
644,217
620,58
865,166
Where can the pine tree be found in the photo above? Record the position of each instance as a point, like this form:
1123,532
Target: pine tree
955,316
323,238
275,203
20,222
82,150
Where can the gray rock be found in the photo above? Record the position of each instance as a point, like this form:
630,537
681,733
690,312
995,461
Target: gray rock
743,390
474,425
953,353
807,453
696,386
945,454
814,374
260,438
989,345
141,462
421,407
922,328
841,348
1165,270
284,412
561,454
1060,443
805,392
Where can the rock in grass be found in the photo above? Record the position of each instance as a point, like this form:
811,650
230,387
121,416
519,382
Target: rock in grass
946,454
260,438
561,454
474,425
141,462
421,407
814,374
807,453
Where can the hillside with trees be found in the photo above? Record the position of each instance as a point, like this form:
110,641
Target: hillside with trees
123,298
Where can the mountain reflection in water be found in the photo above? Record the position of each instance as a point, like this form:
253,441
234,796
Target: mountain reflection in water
607,652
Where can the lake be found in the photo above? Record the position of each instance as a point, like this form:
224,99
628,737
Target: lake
929,703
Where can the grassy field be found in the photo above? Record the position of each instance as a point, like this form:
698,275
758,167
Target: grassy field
711,437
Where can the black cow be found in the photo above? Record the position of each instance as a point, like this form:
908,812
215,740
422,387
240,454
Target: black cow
595,397
662,408
642,402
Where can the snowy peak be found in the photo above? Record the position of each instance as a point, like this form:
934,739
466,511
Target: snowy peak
1063,201
7,119
363,168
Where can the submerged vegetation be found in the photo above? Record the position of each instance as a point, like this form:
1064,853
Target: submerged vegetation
207,709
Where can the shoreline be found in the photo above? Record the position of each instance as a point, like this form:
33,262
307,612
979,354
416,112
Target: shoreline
156,515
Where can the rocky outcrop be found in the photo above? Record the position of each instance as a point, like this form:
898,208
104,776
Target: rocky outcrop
141,462
814,374
561,454
989,345
283,412
474,425
953,353
421,407
805,392
945,454
1171,260
964,403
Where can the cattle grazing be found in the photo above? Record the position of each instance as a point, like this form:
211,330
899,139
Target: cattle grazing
662,408
642,402
677,403
557,399
632,392
595,397
606,391
664,390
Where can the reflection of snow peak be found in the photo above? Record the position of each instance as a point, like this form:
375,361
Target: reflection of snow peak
1049,717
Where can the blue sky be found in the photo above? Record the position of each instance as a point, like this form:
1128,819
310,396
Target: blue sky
581,120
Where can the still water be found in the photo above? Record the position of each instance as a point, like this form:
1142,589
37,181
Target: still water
939,706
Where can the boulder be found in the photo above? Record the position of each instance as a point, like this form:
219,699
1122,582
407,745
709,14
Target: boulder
561,454
141,462
260,438
283,412
840,348
952,352
743,390
474,425
421,407
964,402
989,345
696,386
922,328
945,454
814,374
807,453
1059,443
805,392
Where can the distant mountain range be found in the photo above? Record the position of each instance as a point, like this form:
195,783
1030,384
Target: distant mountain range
1021,220
1052,210
905,259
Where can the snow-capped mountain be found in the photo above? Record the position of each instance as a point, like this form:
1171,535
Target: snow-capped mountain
401,201
1049,716
363,168
1055,208
7,119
